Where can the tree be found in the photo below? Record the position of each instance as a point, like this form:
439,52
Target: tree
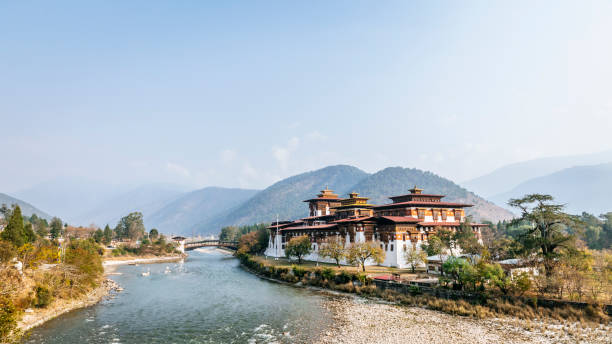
108,235
41,227
496,276
460,271
228,233
546,230
447,238
248,243
14,231
131,226
434,246
263,238
298,247
414,257
359,253
468,241
28,232
98,235
153,234
333,248
5,211
7,252
57,228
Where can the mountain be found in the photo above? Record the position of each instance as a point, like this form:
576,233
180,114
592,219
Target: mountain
581,188
285,197
394,181
507,177
146,199
182,214
26,208
69,197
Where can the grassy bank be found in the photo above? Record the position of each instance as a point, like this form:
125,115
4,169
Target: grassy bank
37,279
487,306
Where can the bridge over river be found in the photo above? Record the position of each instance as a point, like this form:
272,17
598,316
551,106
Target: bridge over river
192,245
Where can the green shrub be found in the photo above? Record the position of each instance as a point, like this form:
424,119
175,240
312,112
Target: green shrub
363,278
343,277
414,290
328,274
8,319
7,252
298,271
43,297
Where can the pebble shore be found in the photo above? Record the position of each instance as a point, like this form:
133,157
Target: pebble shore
357,320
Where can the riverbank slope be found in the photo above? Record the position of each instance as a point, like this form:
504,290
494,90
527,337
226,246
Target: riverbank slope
37,316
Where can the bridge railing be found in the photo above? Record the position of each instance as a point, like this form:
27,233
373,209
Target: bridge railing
205,243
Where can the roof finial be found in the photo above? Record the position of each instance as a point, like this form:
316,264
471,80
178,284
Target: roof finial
415,190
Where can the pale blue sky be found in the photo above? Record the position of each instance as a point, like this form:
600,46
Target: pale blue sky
245,93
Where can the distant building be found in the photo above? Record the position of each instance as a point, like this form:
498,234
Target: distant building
409,220
181,243
515,266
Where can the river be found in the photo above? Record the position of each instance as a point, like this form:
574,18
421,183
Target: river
206,299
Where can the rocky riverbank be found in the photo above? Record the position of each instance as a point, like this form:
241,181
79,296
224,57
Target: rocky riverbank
37,316
357,320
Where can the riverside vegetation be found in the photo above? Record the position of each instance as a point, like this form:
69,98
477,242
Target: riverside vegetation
45,264
544,238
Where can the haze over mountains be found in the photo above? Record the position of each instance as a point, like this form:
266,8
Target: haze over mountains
175,209
581,188
285,197
582,182
26,208
204,211
183,214
508,177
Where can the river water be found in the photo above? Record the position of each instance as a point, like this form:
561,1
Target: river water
206,299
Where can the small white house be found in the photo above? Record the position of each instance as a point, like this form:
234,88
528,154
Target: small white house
516,266
181,243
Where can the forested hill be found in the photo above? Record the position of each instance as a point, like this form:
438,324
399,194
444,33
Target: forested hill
26,208
285,198
394,181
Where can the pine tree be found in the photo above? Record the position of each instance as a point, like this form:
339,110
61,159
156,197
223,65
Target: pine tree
14,231
57,228
108,235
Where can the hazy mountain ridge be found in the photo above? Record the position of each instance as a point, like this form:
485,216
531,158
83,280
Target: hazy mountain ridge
146,199
285,198
581,188
26,208
68,198
173,211
394,181
510,176
181,215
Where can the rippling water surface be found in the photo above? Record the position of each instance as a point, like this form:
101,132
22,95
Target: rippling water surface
207,299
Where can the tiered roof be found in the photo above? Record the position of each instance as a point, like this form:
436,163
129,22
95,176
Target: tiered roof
416,198
354,201
326,195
